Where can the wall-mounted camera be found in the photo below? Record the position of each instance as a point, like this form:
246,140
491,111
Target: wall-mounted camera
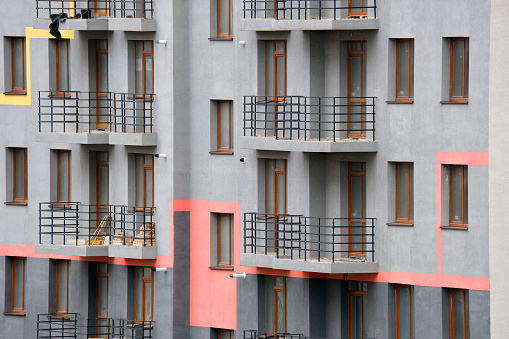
243,159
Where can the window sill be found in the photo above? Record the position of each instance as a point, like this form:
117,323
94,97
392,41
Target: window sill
16,93
221,268
456,228
400,101
402,224
221,39
222,152
12,203
455,102
16,314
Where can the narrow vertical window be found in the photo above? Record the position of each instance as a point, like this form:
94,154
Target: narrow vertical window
356,88
458,195
101,306
143,294
101,7
224,123
404,69
102,185
356,8
357,303
225,240
19,173
275,186
63,175
18,285
62,286
18,65
224,19
404,312
275,69
62,65
144,70
458,76
275,304
404,192
101,84
144,177
459,310
224,334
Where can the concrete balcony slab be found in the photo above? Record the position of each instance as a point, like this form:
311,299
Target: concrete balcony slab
102,24
132,252
324,146
77,250
351,24
99,138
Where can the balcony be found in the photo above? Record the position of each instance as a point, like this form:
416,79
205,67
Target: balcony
298,243
98,15
252,334
91,230
286,15
96,118
70,326
309,124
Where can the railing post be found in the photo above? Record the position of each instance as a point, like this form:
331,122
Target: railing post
40,224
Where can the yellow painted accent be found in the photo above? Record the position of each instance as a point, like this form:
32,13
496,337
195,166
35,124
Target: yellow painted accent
30,33
71,9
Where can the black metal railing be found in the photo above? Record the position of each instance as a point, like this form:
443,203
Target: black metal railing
75,111
51,326
89,9
253,334
309,118
75,224
308,238
308,9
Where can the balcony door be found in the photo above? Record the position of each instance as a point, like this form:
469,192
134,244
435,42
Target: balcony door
275,82
101,84
101,7
101,300
356,88
357,8
356,208
102,185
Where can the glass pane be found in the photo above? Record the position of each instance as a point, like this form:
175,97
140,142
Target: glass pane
354,3
148,159
102,109
280,76
138,293
355,314
269,305
402,191
356,238
224,118
224,334
102,156
466,68
20,173
411,68
102,73
139,180
280,46
102,183
411,192
62,287
269,68
457,313
355,197
18,287
147,46
149,188
457,68
148,74
279,282
224,233
101,5
355,77
403,69
280,193
465,195
403,315
102,44
148,300
269,186
102,297
280,311
102,268
18,63
456,193
363,74
354,46
223,17
147,272
139,67
64,176
62,65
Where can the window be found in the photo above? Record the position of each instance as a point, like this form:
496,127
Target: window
17,65
458,317
63,175
144,70
62,286
356,8
61,65
101,306
404,69
404,312
225,240
458,69
224,19
357,303
357,80
144,180
275,186
143,294
404,199
357,241
17,174
275,68
275,304
224,334
18,285
224,126
458,195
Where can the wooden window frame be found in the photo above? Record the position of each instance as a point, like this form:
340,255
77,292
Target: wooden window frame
100,12
14,177
144,294
397,288
229,263
219,35
57,69
274,173
360,100
397,97
59,152
409,196
360,294
57,289
274,290
144,55
229,148
230,333
97,277
352,13
463,207
275,55
13,290
101,96
98,165
143,177
361,219
23,66
451,311
464,96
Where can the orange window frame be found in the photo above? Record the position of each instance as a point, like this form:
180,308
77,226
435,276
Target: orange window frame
273,63
58,64
274,290
15,276
143,176
101,96
398,288
230,228
360,100
23,50
407,165
229,34
144,279
409,67
362,11
464,77
451,312
229,332
360,219
101,11
57,290
273,189
59,189
463,207
99,275
144,55
15,178
220,123
360,294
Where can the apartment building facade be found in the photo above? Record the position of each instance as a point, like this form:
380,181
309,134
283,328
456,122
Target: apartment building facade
335,151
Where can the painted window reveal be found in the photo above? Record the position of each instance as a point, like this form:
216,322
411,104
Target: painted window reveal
404,69
225,240
19,175
143,294
458,69
404,199
224,126
144,180
63,175
18,285
224,16
62,286
144,70
458,195
18,64
357,303
275,186
404,312
275,304
458,317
